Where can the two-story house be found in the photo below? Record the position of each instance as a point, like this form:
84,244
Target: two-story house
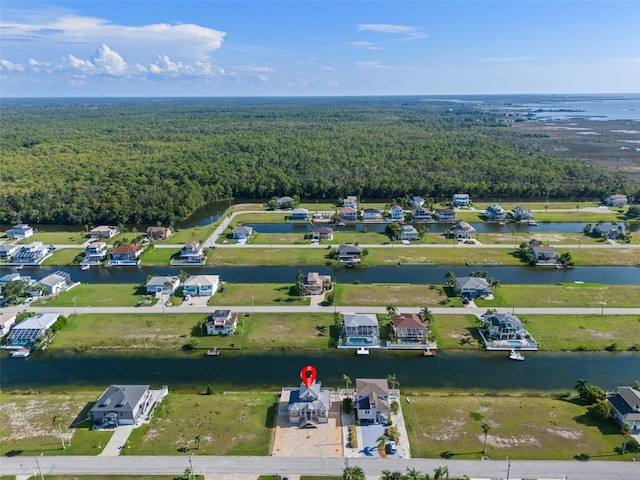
201,285
192,252
396,214
371,215
373,400
222,322
408,232
495,213
348,215
95,253
104,231
445,215
20,231
461,200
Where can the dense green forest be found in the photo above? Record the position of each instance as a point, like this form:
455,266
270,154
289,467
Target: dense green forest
145,161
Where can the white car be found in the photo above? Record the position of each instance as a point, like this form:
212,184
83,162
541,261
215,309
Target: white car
392,447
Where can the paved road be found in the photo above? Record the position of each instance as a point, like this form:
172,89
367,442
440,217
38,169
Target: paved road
165,465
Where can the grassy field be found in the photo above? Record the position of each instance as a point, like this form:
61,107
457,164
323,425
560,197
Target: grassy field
157,256
267,217
521,427
258,293
228,424
57,238
193,234
400,295
457,332
26,424
101,295
459,255
63,256
268,256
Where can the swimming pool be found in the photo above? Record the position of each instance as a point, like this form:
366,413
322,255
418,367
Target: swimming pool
359,341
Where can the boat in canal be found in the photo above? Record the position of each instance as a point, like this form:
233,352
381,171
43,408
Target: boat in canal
513,355
21,353
362,351
213,352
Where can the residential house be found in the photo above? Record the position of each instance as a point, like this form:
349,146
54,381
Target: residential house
461,200
158,233
125,405
361,329
396,214
285,202
309,406
463,230
371,215
95,253
522,214
242,232
409,328
445,215
421,214
417,201
504,326
162,285
472,287
8,251
349,254
104,231
322,234
495,213
315,284
613,231
28,331
373,399
56,282
222,322
11,277
616,200
192,252
348,215
6,322
126,254
408,232
33,253
625,407
350,202
201,285
20,231
299,214
543,254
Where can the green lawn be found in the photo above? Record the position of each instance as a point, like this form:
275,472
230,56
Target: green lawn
101,295
521,427
268,256
258,293
157,256
267,217
63,256
57,238
400,295
193,234
228,424
26,424
536,205
277,239
457,332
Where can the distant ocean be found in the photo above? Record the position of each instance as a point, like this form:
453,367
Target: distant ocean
614,107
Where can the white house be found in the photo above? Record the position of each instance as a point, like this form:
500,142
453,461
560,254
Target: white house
56,282
348,215
201,285
309,406
361,330
7,251
299,214
125,404
616,200
104,231
222,322
95,252
461,200
351,202
285,202
417,201
162,285
322,234
371,215
625,407
242,232
463,230
408,233
373,400
445,215
472,287
28,331
522,214
495,213
6,322
20,231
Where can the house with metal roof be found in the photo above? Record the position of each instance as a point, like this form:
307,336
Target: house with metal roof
30,330
625,407
309,406
372,400
125,405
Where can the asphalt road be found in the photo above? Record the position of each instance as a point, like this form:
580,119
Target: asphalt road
173,465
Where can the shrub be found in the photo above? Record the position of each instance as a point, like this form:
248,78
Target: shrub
612,348
353,436
347,405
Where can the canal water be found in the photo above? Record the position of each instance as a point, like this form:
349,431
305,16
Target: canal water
412,274
485,371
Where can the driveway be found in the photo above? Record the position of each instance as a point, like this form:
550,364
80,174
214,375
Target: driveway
117,441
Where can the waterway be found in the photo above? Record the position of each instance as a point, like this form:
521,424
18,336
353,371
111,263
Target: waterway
485,371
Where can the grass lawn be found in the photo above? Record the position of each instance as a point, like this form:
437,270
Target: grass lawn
521,427
578,239
564,295
228,424
57,238
193,234
277,239
537,205
26,424
267,217
580,216
620,256
63,256
100,295
456,332
583,332
157,256
459,255
258,293
127,331
268,256
399,295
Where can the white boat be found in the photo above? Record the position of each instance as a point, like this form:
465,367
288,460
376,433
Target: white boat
533,223
362,351
213,352
85,267
21,353
341,224
513,355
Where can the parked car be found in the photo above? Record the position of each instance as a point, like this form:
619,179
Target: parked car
392,447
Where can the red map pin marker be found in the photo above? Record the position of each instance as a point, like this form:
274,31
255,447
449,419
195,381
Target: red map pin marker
308,375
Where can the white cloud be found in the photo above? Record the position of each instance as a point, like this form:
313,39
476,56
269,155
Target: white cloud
109,62
84,66
263,78
505,59
166,67
405,31
365,45
373,65
6,65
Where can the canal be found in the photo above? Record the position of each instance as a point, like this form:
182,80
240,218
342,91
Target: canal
483,371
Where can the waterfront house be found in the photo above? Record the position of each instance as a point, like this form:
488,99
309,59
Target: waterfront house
315,284
8,251
463,230
158,233
445,215
350,202
616,200
372,400
192,252
125,405
56,282
11,277
461,200
417,201
299,214
321,234
309,406
242,232
396,214
613,231
104,231
349,254
504,326
371,215
522,214
201,285
361,329
126,254
95,253
285,202
6,322
34,253
162,285
472,287
495,213
20,231
409,328
348,215
28,331
544,254
421,214
222,322
625,407
408,232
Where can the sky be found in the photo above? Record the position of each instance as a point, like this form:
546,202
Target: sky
317,48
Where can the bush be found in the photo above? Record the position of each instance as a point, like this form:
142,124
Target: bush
395,407
347,405
353,436
612,348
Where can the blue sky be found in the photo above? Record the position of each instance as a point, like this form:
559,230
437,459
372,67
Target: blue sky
331,47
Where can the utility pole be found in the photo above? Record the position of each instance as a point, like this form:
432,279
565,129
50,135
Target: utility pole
191,463
252,301
508,467
75,307
38,464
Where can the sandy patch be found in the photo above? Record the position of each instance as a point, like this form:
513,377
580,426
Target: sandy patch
568,434
34,418
506,442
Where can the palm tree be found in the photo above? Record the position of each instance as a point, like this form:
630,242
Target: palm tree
347,380
485,428
441,472
413,474
392,311
353,473
386,475
626,435
581,387
391,378
182,276
57,421
382,441
197,439
426,316
451,278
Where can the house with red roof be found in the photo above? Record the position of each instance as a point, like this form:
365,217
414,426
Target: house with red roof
126,254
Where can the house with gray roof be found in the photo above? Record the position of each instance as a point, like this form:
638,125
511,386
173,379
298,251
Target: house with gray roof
472,287
125,405
463,230
56,282
372,400
285,202
349,254
504,326
309,406
361,330
7,251
30,330
625,407
242,232
20,231
222,322
201,285
162,285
